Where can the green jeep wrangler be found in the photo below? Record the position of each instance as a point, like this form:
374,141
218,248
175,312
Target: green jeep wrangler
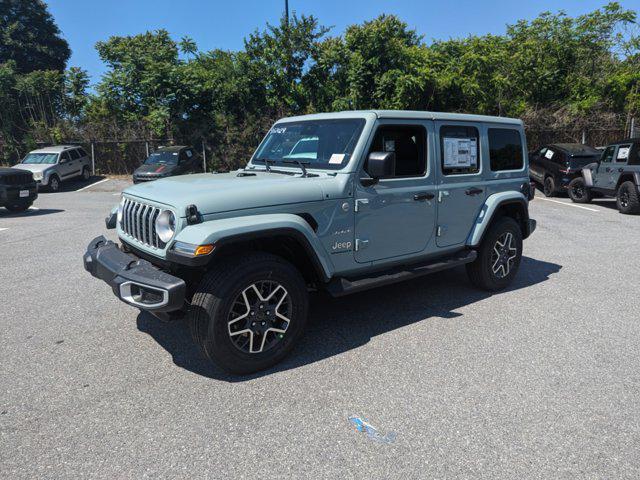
616,174
340,202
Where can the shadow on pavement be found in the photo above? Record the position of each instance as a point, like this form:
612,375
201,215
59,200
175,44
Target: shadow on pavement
74,185
607,203
339,325
28,213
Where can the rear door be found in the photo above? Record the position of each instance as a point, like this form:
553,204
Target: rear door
396,216
461,192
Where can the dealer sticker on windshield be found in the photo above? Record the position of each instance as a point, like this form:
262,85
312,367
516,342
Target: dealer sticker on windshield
336,158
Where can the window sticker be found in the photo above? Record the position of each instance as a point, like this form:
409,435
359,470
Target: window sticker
336,158
623,153
389,145
549,154
189,153
278,130
460,152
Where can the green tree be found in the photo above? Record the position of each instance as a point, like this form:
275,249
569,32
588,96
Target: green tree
29,37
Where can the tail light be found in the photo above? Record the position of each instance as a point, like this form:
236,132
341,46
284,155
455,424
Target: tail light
528,190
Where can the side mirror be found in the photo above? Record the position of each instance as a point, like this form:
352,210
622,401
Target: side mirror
379,165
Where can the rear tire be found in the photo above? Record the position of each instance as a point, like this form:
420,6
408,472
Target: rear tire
86,174
578,191
248,312
549,187
499,256
627,199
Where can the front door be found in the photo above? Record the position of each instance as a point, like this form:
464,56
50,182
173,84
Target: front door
602,174
396,216
66,165
461,192
620,160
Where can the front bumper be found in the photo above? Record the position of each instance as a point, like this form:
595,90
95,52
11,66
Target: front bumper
11,194
133,280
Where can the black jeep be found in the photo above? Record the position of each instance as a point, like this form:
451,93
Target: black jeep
615,174
18,190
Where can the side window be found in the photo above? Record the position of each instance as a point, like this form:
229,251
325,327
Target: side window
505,149
623,153
607,155
459,149
409,144
74,154
64,157
82,152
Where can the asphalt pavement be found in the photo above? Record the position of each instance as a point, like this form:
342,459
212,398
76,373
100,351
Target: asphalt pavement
539,381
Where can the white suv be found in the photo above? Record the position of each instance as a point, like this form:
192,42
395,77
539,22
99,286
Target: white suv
53,165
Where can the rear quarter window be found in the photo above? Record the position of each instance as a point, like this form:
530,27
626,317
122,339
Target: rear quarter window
505,149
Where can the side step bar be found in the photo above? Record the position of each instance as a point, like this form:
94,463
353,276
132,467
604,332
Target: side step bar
344,286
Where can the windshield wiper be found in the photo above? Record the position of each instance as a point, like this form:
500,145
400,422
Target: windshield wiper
268,167
301,165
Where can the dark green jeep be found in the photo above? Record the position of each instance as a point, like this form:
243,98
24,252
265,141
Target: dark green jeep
616,174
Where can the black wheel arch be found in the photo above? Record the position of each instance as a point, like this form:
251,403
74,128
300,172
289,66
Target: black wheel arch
516,208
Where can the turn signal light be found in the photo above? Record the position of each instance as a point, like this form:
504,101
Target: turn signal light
203,250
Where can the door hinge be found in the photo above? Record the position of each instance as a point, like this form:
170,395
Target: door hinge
442,194
358,202
361,244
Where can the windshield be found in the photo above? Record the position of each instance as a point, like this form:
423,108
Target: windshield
326,144
41,158
162,158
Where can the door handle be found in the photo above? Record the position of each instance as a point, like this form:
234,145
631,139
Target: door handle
473,191
423,196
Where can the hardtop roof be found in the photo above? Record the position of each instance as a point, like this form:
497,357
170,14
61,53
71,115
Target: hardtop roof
576,148
408,115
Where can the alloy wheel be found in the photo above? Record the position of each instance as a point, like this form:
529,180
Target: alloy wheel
577,191
503,255
624,199
259,317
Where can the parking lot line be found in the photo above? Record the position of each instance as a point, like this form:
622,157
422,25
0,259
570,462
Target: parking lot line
568,204
93,184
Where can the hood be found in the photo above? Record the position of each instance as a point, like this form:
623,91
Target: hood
215,193
153,170
33,167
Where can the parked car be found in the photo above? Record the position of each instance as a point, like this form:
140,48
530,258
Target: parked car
386,196
168,162
53,165
615,174
18,190
554,166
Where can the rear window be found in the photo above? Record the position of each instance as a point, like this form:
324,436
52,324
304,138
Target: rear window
74,154
505,149
82,152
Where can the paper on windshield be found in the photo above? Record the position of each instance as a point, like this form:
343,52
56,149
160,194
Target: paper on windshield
549,154
460,152
336,158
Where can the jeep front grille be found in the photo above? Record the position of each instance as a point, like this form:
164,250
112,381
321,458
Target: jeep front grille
139,222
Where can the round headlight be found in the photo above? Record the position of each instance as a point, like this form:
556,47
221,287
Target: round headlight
166,225
120,207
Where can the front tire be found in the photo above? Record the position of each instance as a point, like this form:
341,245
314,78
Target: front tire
627,199
578,191
248,312
54,184
19,207
499,256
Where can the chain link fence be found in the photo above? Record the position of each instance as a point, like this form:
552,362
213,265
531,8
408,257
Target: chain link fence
116,157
